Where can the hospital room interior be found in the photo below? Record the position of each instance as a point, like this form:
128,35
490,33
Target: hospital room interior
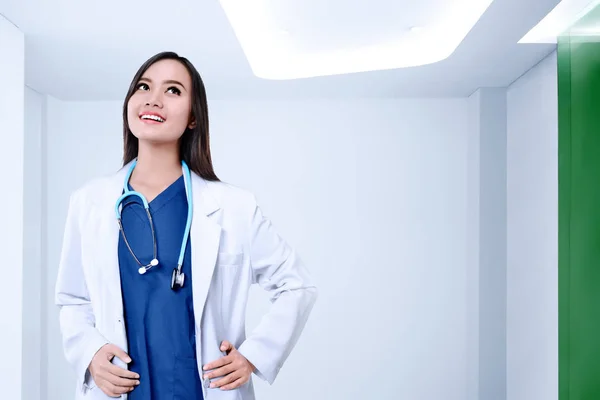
435,164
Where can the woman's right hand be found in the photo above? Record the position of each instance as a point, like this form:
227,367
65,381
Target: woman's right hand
113,380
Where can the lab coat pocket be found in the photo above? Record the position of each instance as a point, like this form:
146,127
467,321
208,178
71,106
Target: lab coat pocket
227,273
186,379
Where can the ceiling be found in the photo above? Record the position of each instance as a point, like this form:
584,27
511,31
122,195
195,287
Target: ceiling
79,50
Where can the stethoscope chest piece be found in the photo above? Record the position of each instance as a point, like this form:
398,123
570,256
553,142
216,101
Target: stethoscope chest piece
177,279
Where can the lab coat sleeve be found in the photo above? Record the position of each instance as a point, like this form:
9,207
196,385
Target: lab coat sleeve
81,340
277,268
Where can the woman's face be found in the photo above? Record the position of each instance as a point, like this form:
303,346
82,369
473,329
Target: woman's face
159,111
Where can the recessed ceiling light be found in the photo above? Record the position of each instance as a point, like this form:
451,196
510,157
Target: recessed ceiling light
274,55
558,21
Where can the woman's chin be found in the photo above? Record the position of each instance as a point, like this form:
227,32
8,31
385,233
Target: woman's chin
153,135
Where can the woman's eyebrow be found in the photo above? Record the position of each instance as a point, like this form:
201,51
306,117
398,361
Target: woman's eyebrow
169,81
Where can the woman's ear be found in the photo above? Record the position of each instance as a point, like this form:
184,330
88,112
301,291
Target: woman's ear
192,123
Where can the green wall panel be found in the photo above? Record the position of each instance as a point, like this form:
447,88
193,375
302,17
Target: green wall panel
579,212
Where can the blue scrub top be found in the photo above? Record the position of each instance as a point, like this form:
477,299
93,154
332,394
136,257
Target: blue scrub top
159,321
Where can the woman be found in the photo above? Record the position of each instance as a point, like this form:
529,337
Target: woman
158,259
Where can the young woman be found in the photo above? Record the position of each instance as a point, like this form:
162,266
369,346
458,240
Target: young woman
158,259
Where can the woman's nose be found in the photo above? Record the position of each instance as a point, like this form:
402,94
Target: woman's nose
154,100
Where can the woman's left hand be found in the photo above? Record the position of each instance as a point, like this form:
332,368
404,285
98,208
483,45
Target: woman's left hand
234,369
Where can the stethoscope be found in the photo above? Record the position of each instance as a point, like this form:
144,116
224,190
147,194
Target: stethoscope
178,277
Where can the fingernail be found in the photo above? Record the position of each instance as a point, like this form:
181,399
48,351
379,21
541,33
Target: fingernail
137,382
205,368
128,360
137,376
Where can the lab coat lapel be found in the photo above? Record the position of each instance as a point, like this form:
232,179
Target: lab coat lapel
110,239
205,238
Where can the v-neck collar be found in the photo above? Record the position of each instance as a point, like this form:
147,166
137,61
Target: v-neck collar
174,189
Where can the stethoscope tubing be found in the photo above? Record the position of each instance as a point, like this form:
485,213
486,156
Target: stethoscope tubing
177,278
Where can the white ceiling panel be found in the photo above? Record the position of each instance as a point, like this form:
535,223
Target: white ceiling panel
80,50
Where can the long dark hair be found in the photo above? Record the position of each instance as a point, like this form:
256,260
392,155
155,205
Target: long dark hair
194,147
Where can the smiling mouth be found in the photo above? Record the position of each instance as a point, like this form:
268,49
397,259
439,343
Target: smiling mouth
152,118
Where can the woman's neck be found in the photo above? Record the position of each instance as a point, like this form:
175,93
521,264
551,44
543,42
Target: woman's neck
156,165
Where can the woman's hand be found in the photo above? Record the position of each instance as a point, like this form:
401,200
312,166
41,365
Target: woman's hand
234,369
113,380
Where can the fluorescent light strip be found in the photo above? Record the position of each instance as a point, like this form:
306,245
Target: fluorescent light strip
559,20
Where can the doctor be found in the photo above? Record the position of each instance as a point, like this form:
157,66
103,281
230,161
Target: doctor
157,261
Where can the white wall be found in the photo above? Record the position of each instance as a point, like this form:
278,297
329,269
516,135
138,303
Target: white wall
532,227
398,187
12,60
486,252
472,246
372,193
34,321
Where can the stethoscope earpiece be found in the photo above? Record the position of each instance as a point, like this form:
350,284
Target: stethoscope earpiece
143,270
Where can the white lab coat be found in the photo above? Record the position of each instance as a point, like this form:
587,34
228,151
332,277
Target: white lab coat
233,246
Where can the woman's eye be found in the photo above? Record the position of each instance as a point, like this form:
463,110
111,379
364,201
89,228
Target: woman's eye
142,86
174,90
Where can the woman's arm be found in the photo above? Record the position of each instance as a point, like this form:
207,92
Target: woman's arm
278,269
81,340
